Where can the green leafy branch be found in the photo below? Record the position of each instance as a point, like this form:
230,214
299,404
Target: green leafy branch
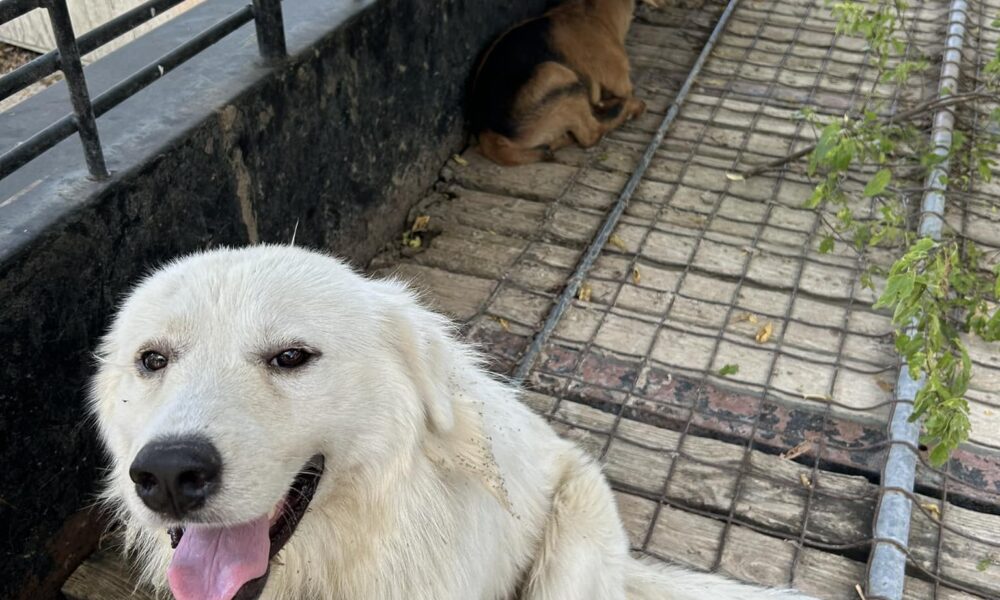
937,291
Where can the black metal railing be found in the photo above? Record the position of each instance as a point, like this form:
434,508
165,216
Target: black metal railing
266,15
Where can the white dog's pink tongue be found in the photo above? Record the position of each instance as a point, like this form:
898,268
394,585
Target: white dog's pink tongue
213,563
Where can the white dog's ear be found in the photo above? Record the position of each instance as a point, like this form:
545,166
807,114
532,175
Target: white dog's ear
430,356
436,362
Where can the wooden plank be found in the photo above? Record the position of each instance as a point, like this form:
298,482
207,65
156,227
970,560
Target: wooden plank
484,233
540,181
495,213
105,576
692,540
458,296
774,496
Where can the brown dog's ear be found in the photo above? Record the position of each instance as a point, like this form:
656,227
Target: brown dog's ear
431,357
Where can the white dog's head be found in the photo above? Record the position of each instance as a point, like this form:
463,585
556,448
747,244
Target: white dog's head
236,386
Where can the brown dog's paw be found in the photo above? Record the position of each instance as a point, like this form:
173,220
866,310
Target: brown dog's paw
635,108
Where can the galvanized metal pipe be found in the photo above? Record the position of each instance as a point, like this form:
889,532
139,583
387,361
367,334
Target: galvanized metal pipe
887,569
569,292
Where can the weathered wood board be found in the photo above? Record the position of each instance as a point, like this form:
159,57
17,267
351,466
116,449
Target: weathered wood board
104,576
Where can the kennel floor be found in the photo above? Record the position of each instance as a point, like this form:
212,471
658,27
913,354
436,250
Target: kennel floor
734,381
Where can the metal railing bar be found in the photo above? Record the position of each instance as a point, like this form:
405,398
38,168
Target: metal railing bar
270,29
60,130
85,122
48,63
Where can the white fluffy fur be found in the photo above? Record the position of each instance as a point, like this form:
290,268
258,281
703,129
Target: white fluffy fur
439,483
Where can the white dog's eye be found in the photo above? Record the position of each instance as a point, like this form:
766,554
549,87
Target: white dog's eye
289,359
152,360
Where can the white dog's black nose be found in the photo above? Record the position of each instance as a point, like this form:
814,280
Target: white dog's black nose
174,477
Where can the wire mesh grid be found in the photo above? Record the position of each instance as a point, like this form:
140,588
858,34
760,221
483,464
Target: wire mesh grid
725,347
733,380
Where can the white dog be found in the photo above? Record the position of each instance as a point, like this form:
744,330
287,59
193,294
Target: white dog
284,428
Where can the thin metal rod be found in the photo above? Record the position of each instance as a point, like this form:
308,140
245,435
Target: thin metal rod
48,63
270,29
611,221
887,570
69,63
60,130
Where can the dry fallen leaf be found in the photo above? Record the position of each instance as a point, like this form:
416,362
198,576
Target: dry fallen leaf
420,223
805,481
749,317
458,159
504,323
733,176
933,509
749,250
636,277
988,412
884,385
411,241
797,451
764,333
861,593
617,242
584,292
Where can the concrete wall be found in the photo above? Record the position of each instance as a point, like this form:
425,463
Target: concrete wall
341,139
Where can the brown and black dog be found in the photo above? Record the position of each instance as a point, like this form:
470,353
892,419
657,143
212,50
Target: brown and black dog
553,80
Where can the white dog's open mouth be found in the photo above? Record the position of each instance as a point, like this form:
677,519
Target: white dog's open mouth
232,562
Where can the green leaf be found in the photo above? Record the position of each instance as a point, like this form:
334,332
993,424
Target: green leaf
939,455
826,244
878,183
897,287
923,245
816,197
728,370
827,140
